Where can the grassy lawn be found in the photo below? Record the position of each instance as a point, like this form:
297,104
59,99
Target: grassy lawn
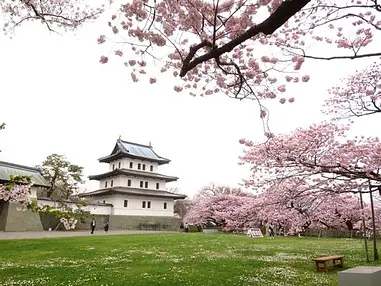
172,259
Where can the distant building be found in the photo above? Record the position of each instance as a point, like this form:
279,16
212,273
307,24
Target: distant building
11,219
133,185
10,169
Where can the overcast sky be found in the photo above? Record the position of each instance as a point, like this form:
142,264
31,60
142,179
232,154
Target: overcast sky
57,98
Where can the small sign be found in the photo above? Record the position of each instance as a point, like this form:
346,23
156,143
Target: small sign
254,232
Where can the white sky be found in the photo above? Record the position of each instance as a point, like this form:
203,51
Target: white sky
55,97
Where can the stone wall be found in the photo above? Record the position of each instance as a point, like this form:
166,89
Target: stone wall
3,215
49,221
117,222
13,219
144,223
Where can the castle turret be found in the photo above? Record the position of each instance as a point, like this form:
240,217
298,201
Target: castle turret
133,183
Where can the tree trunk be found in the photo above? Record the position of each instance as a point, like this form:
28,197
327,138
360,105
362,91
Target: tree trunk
375,252
364,228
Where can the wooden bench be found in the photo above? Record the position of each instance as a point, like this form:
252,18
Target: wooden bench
322,262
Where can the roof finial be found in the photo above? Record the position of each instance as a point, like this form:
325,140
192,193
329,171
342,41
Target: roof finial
120,137
150,144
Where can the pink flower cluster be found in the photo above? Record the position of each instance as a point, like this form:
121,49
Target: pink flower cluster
318,154
174,23
18,193
292,206
359,95
55,14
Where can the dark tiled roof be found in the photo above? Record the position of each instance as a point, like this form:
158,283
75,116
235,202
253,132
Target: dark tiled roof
9,169
70,201
129,172
127,149
133,191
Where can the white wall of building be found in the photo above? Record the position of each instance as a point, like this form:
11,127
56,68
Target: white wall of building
125,164
122,181
33,192
135,205
100,210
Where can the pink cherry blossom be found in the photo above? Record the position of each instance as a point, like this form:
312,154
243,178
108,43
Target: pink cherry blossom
14,192
132,62
134,77
202,43
358,95
101,39
103,59
118,53
292,206
178,88
54,14
321,149
282,88
306,78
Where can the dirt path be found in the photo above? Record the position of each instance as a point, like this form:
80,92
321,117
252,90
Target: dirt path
49,234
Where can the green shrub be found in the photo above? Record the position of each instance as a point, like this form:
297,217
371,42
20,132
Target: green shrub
194,228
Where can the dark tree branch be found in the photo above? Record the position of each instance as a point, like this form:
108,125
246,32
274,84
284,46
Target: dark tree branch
284,12
336,57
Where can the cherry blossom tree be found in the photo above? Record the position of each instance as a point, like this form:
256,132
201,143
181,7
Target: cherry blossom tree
294,205
246,49
54,14
16,190
324,157
233,213
294,210
320,154
215,190
359,95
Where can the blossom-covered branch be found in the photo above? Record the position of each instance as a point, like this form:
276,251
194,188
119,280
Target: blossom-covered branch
17,190
320,154
359,95
259,41
293,207
54,14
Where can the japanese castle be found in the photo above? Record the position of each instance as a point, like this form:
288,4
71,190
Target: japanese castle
133,185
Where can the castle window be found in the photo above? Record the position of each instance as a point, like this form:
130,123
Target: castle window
144,204
112,183
148,205
131,165
151,168
139,166
113,166
129,182
157,186
141,184
106,184
144,167
125,203
165,206
146,185
104,201
119,165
